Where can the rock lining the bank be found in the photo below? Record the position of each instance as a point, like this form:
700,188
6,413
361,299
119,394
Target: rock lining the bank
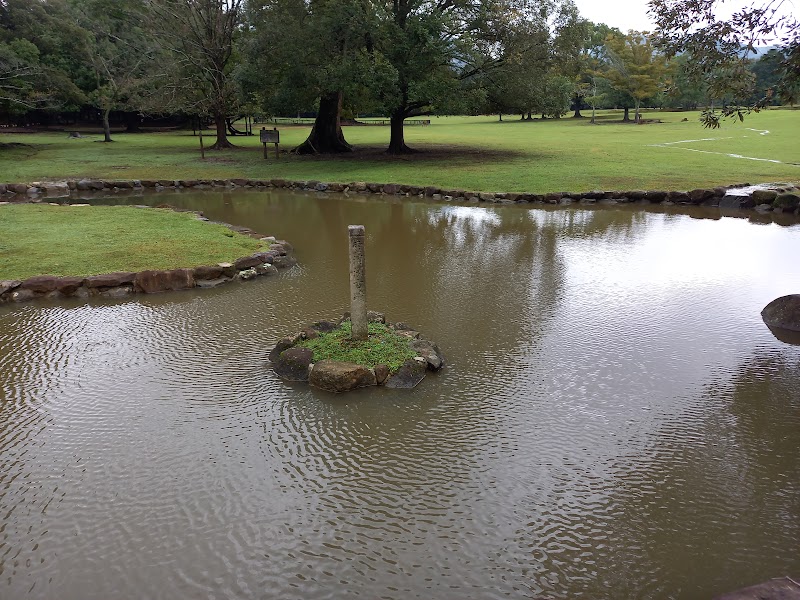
291,362
768,197
124,283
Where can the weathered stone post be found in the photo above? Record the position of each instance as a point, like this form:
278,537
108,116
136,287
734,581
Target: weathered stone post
358,283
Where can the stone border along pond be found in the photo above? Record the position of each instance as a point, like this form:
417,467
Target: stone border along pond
122,284
763,198
293,362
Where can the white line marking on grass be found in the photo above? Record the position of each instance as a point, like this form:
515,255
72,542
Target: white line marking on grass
759,131
665,144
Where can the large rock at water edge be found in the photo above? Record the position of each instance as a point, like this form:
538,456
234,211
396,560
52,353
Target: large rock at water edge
783,312
151,282
283,344
408,376
335,376
292,364
430,352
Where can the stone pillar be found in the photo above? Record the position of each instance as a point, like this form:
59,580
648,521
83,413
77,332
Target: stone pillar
358,283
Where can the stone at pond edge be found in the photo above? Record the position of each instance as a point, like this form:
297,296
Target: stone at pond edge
310,334
292,364
110,279
381,373
335,376
783,313
8,285
430,352
324,326
764,196
787,201
207,272
212,283
265,269
40,283
283,344
284,262
151,282
408,376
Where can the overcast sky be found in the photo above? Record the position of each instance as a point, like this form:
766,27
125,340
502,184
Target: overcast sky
623,14
632,14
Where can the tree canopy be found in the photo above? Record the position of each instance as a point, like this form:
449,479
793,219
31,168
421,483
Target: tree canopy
720,50
338,59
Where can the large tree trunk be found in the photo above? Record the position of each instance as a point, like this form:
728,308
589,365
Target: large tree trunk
106,126
326,136
637,117
397,144
577,100
222,133
626,117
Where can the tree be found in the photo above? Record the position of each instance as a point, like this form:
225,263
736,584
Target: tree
422,41
513,85
683,91
719,48
19,70
119,51
591,59
198,36
554,93
40,57
594,98
768,71
335,67
634,67
570,36
436,47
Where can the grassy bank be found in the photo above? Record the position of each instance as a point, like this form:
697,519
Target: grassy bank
80,241
477,153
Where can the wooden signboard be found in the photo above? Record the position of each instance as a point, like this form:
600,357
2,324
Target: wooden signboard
270,136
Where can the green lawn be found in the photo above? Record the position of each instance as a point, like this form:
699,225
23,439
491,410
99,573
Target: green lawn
473,153
73,240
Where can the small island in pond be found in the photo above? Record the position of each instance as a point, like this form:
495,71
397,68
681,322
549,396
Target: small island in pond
326,356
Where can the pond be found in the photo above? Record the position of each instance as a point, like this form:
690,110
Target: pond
615,421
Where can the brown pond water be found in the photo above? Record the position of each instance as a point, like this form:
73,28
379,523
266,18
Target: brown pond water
615,420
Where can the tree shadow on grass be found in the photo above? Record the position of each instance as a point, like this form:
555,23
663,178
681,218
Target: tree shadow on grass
423,154
15,146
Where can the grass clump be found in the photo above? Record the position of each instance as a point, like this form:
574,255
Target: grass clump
384,346
91,240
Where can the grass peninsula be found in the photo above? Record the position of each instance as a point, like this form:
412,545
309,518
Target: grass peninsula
37,239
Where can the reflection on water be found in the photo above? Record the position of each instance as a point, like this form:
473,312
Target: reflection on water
615,420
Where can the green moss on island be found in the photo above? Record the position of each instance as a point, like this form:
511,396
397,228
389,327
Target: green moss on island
68,240
384,346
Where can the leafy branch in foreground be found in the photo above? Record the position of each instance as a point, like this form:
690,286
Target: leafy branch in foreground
720,49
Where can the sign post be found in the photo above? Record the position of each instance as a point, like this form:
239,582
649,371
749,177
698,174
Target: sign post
272,136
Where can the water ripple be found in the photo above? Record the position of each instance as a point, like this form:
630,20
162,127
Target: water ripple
614,420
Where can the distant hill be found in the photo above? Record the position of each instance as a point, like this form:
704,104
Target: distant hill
761,51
